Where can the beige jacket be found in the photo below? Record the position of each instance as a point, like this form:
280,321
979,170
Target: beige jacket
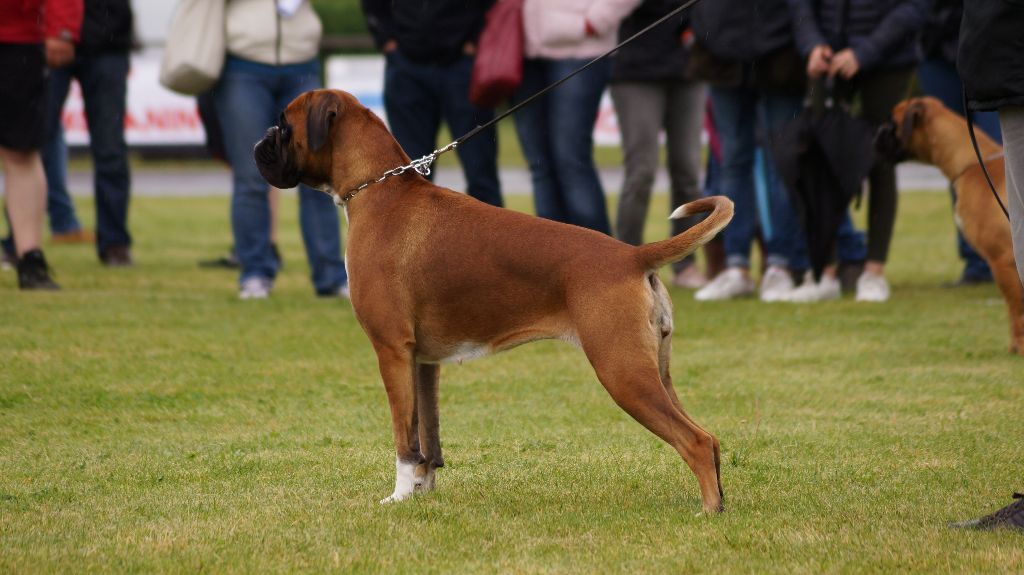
255,31
556,29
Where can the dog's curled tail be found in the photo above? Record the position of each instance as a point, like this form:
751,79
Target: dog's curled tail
657,254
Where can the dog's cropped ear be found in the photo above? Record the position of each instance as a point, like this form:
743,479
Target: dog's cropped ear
912,116
320,117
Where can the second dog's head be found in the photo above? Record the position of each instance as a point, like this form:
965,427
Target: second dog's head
904,136
299,148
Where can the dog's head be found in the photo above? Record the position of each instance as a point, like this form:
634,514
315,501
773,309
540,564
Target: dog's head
903,136
299,147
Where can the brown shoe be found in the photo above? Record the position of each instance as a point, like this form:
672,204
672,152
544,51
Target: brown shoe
81,236
117,257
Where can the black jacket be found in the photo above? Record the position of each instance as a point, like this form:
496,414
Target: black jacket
882,33
427,32
746,43
941,36
991,60
742,30
106,26
659,54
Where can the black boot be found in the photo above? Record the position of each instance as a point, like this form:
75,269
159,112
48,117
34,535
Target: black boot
1009,517
34,273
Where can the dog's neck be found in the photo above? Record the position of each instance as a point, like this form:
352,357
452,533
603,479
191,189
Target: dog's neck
953,156
370,151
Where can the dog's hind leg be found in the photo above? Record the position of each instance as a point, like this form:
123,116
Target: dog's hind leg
427,376
626,361
397,369
1005,272
661,318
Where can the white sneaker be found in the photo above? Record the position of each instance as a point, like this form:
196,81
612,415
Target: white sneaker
338,292
872,287
255,288
776,284
731,283
811,291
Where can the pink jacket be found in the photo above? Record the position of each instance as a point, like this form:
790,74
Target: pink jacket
556,29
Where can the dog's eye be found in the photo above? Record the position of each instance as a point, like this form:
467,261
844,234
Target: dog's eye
286,132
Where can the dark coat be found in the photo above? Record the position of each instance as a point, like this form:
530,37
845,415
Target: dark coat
431,32
991,60
107,26
940,39
882,33
657,55
746,43
742,30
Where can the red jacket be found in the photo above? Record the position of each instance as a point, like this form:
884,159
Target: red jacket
32,21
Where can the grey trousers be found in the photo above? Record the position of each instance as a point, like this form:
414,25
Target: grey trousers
643,110
1011,120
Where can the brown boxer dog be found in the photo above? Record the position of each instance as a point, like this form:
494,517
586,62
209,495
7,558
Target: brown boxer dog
437,276
924,129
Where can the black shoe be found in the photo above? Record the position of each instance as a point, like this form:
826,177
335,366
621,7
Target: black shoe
117,257
229,261
34,273
1009,517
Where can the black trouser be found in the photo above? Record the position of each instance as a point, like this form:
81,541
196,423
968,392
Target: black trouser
878,91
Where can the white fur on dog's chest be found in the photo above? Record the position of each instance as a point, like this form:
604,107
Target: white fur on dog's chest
466,351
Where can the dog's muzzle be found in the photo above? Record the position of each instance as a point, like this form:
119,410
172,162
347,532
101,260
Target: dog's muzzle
888,145
271,155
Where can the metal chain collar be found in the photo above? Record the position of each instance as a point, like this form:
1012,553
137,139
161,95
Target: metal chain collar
421,166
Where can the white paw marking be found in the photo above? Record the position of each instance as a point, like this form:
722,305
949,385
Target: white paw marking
406,482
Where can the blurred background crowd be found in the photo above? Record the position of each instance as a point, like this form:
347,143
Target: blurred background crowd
710,93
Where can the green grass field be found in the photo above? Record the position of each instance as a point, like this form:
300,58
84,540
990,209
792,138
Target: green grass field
151,422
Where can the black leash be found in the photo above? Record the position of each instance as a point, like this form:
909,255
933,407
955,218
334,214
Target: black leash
422,165
977,151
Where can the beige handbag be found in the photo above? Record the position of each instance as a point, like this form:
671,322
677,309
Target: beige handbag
194,53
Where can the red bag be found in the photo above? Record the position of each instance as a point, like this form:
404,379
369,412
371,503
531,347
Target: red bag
498,69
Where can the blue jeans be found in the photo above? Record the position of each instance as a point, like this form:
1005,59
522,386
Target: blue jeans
940,79
737,113
556,134
417,97
249,97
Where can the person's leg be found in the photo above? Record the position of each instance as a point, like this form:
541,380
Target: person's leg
1011,121
318,216
478,156
787,244
63,219
683,121
104,81
735,117
640,109
25,183
572,112
246,106
535,140
880,91
412,102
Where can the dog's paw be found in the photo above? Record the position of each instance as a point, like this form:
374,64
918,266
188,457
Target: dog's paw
394,498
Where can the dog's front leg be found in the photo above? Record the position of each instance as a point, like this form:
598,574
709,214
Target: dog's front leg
397,369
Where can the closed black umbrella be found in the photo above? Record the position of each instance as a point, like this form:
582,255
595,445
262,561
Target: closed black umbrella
822,157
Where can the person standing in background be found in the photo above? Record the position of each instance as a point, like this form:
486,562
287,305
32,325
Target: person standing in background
871,48
34,35
272,58
937,76
556,130
651,92
430,48
745,51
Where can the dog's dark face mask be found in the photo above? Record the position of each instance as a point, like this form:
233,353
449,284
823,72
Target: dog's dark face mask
274,157
289,154
888,145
